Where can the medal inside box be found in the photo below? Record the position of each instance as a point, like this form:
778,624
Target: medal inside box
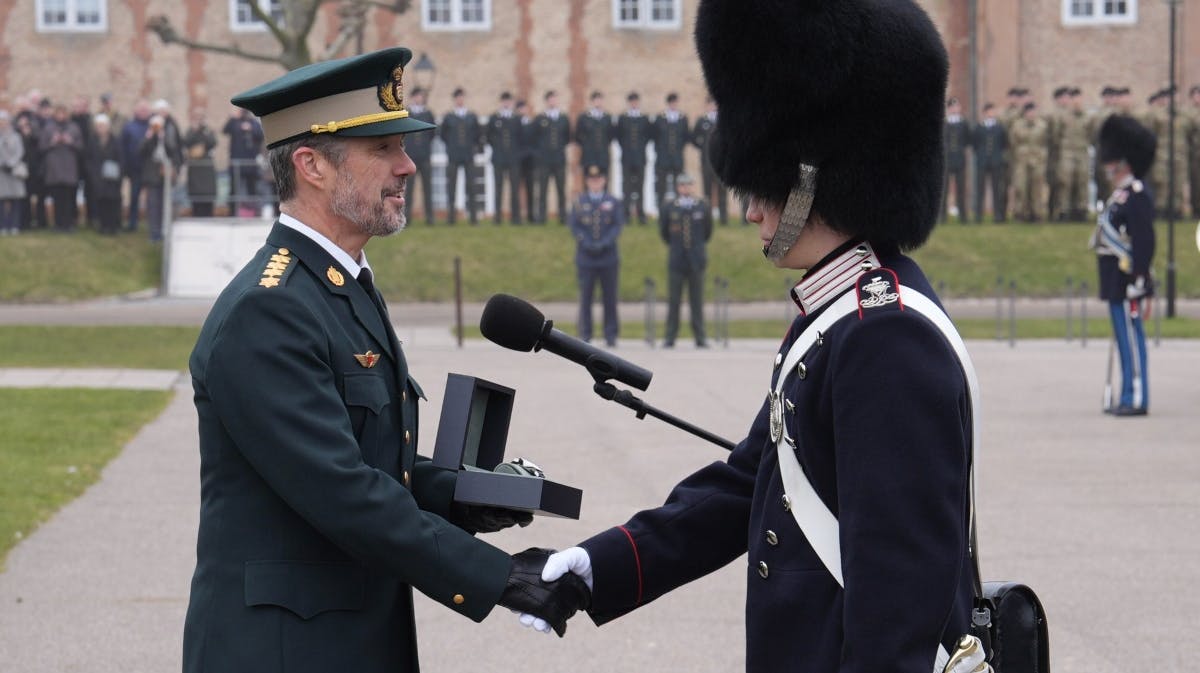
471,439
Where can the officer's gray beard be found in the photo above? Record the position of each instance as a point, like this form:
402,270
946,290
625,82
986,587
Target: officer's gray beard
373,219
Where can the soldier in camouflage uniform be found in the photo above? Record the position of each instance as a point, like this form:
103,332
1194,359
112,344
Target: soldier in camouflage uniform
1072,173
1158,121
1009,117
1193,137
1029,142
1055,120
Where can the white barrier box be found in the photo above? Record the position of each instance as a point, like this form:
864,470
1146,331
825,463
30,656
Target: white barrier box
205,253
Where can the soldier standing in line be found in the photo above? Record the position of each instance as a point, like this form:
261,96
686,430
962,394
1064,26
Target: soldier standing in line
420,149
1159,118
1193,135
989,142
1108,97
596,222
554,132
594,131
670,136
1028,137
633,134
1054,128
460,131
956,134
527,162
502,131
1009,117
713,188
1072,171
685,225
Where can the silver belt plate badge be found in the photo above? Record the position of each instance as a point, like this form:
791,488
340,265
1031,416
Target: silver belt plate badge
776,416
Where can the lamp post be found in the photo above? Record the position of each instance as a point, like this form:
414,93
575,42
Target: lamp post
424,72
1173,5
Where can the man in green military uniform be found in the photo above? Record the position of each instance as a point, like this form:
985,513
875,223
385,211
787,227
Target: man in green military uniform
1028,137
317,517
1055,121
1072,173
685,225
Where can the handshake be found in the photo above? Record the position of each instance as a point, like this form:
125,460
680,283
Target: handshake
542,591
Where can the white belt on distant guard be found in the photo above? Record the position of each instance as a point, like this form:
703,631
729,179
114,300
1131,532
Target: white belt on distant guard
819,524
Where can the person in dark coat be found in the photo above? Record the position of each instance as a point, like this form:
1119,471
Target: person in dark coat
198,144
1124,245
527,162
989,143
595,132
633,134
317,516
868,426
62,143
36,184
503,131
958,139
596,222
685,225
713,191
420,149
463,137
245,146
81,115
671,133
132,135
102,160
554,132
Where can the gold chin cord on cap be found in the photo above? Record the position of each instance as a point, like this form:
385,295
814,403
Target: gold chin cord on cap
335,126
794,215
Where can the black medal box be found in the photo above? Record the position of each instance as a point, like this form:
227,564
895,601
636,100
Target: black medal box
471,436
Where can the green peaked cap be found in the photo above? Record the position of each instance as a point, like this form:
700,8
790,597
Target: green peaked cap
359,96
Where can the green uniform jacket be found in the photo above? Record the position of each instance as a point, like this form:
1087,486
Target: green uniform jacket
316,515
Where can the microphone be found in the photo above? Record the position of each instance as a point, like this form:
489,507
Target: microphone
516,324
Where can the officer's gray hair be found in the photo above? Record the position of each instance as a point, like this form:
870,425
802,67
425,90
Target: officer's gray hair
280,159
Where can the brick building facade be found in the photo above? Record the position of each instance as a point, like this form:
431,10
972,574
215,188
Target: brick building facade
67,48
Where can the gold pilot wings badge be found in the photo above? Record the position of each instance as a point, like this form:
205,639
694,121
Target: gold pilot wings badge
367,359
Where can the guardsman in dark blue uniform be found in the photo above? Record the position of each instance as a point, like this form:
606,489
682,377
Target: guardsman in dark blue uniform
685,226
420,150
554,132
989,142
671,133
594,131
633,134
875,409
596,223
1124,244
713,190
526,163
503,132
317,516
461,133
957,139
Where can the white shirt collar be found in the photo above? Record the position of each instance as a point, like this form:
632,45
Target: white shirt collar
329,246
827,282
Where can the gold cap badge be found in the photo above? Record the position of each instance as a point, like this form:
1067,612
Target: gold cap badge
335,277
367,359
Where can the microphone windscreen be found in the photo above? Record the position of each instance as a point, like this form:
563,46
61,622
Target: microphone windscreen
512,322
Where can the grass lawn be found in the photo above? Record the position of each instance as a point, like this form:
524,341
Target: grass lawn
56,443
136,347
536,262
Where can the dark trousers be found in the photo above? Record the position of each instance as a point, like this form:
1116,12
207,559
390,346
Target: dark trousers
202,208
960,192
108,213
424,175
506,174
154,210
663,177
66,213
10,214
36,217
993,177
527,186
135,202
452,169
715,192
243,186
559,173
607,276
695,289
632,180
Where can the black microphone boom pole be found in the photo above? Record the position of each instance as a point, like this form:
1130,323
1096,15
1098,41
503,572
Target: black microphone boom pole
516,324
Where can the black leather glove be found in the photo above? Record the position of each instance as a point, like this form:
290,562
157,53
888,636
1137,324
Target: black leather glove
486,518
555,602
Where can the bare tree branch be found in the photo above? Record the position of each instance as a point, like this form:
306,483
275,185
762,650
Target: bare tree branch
257,12
162,27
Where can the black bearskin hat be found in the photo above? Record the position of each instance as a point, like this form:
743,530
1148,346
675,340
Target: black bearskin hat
853,87
1123,137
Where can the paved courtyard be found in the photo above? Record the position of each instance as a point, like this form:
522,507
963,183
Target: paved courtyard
1099,514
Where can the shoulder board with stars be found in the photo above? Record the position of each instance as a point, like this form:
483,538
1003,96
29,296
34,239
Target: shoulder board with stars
277,267
878,290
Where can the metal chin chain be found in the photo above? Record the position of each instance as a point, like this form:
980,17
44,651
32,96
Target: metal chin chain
795,214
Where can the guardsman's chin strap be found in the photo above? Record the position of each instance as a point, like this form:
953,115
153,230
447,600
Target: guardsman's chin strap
795,214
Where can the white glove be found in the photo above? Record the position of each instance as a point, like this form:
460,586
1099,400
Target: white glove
574,560
1134,290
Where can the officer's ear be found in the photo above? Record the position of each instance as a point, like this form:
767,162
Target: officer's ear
311,167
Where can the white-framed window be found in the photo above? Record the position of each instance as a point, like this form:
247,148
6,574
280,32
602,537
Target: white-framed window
1099,12
76,16
653,14
241,17
456,14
